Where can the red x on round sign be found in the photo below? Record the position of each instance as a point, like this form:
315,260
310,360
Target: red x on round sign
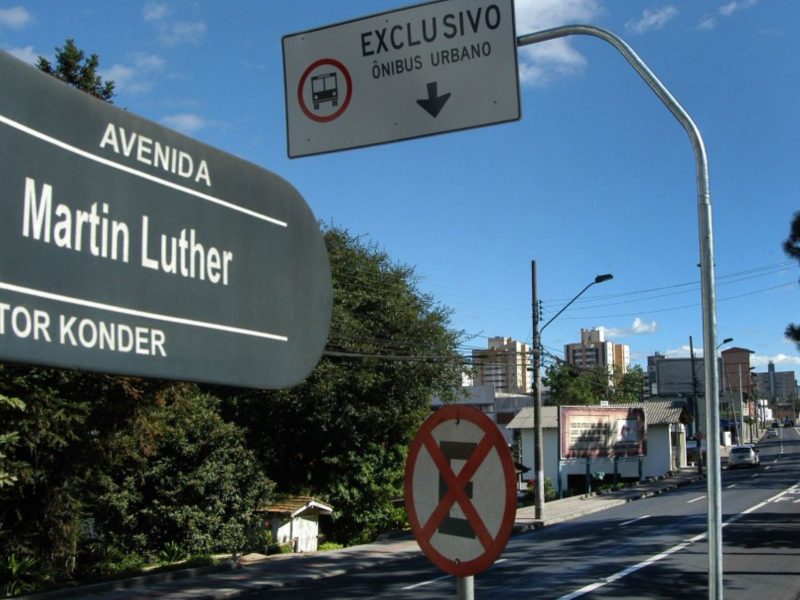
459,490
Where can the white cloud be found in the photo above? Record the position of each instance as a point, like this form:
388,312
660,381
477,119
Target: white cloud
778,359
652,19
15,17
187,123
149,62
638,327
27,54
191,32
540,63
726,10
708,23
135,79
155,11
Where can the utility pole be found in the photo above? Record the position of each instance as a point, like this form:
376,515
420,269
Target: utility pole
698,434
538,449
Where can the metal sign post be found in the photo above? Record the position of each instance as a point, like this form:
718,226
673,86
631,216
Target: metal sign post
706,276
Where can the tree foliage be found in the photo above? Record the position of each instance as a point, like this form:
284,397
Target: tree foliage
184,477
343,433
792,248
589,386
74,68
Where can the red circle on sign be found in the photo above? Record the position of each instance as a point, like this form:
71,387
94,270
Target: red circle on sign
337,65
493,543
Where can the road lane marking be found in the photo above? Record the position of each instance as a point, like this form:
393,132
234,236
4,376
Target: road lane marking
695,499
430,581
733,485
634,520
670,551
424,583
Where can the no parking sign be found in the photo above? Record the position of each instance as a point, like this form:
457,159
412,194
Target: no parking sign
459,490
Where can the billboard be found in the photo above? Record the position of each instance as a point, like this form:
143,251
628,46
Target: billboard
602,431
128,248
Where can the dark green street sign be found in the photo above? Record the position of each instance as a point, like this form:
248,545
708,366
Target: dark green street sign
128,248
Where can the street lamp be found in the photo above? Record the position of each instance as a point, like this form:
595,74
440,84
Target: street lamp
538,451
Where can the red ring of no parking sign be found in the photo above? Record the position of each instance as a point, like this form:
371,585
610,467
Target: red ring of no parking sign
336,65
493,544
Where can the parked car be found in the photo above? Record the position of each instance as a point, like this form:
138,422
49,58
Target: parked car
743,456
772,433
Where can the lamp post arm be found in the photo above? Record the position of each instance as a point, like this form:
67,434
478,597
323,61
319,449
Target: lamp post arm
566,306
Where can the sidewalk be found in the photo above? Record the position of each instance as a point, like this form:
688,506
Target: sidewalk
233,580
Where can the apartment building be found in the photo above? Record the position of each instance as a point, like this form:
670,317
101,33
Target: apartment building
503,366
593,350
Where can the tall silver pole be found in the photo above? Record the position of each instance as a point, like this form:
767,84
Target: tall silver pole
707,284
538,442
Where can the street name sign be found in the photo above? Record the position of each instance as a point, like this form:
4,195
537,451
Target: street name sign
128,248
460,490
421,70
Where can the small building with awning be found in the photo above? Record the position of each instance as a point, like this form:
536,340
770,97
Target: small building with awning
661,449
296,521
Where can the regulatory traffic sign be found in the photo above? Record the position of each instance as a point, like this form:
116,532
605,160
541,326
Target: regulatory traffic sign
128,248
460,490
421,70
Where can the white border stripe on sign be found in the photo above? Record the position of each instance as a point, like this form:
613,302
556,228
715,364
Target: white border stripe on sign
131,171
138,313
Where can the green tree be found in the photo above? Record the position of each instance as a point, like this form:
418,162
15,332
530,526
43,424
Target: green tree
589,386
184,479
573,385
8,440
343,434
792,248
629,386
72,67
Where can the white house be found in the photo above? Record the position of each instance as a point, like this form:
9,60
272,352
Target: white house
297,521
665,444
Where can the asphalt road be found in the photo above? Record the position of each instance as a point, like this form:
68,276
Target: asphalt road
654,548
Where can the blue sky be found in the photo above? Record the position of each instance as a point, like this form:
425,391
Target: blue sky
596,177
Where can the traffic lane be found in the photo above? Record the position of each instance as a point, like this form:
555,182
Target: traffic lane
761,549
745,493
387,580
635,534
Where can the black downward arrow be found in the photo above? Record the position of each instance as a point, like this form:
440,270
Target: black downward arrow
434,102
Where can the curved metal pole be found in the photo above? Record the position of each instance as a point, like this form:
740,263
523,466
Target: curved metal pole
566,306
706,281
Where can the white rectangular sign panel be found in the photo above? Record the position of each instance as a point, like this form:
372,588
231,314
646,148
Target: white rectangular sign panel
417,71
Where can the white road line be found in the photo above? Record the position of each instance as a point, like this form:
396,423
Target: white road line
677,548
634,520
429,581
695,499
424,583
